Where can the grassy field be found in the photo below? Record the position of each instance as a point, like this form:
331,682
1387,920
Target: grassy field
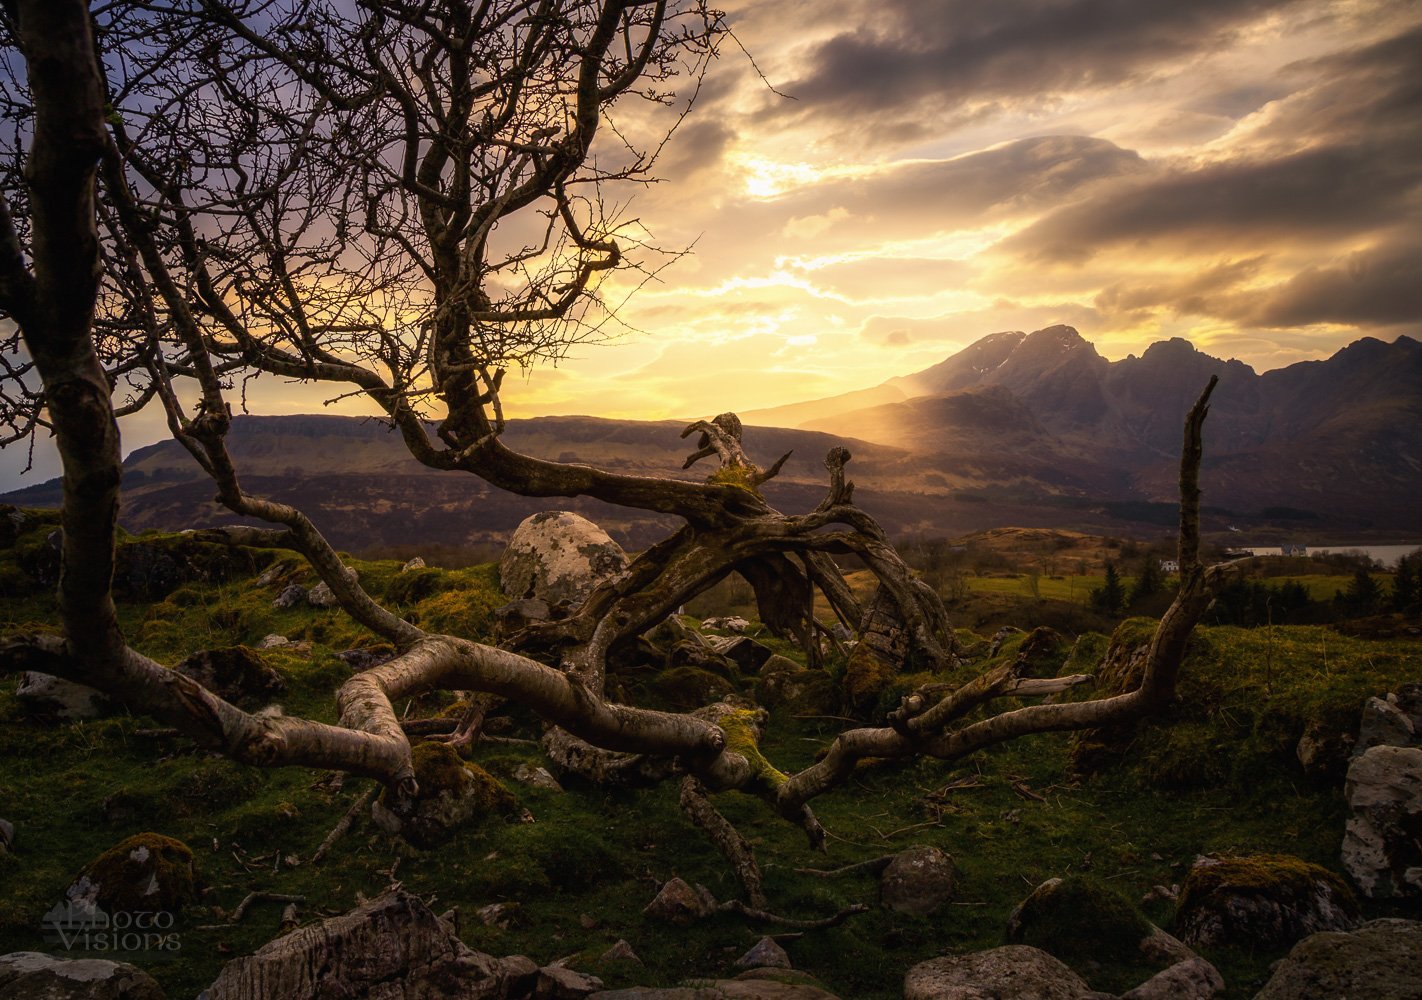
1218,774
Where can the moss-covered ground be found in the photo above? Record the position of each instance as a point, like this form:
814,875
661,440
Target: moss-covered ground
1217,776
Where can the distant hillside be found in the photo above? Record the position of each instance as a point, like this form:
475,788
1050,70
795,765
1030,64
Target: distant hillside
1028,430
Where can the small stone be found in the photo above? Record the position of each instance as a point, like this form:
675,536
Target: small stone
290,597
500,915
555,983
730,623
536,777
587,921
364,659
1193,979
620,952
680,904
322,596
412,565
273,641
918,881
767,954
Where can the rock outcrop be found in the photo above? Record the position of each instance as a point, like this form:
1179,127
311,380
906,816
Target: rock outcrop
1382,843
30,975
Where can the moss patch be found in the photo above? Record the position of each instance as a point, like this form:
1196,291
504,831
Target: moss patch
1080,920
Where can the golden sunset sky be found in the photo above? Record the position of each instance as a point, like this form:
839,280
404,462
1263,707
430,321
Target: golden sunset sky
1241,173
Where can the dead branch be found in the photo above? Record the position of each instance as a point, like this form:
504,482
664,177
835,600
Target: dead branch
733,847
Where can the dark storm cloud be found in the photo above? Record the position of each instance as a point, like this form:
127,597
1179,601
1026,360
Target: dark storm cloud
1340,160
1381,286
934,55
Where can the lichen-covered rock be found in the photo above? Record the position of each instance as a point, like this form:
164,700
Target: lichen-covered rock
146,873
1079,919
1193,979
558,556
236,674
536,777
1382,843
54,697
681,904
322,596
1016,971
416,563
365,658
918,881
765,954
1381,960
290,597
729,623
1323,752
1264,901
451,793
30,975
274,641
391,948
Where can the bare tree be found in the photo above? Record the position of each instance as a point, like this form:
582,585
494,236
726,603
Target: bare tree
403,201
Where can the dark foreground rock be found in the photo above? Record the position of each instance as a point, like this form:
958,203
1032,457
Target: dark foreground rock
1263,901
1382,960
391,948
1015,971
30,975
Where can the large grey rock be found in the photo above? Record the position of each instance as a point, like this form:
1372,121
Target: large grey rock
1382,843
1194,979
1263,901
30,975
391,948
50,696
558,556
1382,960
1015,971
918,881
322,596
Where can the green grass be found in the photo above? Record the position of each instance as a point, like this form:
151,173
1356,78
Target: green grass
1216,775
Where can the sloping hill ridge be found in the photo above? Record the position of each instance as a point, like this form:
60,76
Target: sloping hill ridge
1029,430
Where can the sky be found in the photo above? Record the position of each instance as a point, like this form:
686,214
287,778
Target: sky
891,180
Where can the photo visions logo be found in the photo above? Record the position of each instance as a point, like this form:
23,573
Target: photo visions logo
79,924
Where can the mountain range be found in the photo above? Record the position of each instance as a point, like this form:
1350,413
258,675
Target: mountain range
1031,430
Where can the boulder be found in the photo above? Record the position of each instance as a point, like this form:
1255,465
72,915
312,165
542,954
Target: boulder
918,881
54,697
500,915
805,692
1264,901
1381,960
145,873
680,904
1194,979
291,596
274,641
391,948
30,975
1323,752
558,556
1080,919
236,674
690,687
1016,971
765,954
1382,848
451,793
413,564
322,596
